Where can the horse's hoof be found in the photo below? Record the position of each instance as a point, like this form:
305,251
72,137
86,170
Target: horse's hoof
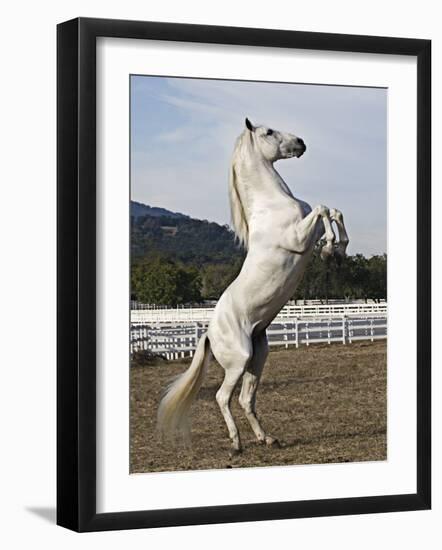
326,252
340,252
234,452
272,442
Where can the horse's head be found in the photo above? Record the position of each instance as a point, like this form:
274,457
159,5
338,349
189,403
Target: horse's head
275,145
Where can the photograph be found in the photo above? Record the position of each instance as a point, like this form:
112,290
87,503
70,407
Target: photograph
258,274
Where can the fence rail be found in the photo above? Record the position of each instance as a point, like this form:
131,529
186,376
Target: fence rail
174,341
147,316
134,304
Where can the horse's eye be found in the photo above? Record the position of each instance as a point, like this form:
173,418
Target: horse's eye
269,132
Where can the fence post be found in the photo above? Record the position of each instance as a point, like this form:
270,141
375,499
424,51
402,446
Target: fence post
344,327
190,341
296,333
197,334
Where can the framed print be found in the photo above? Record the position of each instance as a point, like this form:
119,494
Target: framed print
243,274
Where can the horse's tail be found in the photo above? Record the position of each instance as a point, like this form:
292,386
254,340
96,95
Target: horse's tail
173,412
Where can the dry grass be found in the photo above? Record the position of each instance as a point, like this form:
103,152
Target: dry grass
324,403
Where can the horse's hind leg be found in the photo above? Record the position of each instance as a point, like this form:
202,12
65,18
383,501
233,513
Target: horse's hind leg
234,364
251,378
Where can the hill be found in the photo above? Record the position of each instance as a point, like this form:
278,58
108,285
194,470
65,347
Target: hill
157,231
138,210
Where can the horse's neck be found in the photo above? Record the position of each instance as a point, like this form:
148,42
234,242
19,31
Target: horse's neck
260,183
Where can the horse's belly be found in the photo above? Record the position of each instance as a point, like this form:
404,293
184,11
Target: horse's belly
268,295
265,312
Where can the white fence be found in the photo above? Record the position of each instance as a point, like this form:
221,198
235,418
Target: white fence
211,304
134,304
174,340
204,314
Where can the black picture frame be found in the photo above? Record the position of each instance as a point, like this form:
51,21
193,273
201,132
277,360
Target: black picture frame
76,272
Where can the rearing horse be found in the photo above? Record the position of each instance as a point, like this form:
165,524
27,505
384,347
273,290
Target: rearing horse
279,232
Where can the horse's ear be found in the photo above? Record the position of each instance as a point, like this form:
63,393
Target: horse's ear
249,125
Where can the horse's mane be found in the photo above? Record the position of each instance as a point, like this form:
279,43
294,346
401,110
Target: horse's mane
237,211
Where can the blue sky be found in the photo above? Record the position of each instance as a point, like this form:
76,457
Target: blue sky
183,132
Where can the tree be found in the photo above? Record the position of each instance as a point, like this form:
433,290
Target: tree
377,279
163,282
157,279
355,277
217,277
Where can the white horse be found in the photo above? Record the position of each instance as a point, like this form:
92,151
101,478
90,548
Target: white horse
279,232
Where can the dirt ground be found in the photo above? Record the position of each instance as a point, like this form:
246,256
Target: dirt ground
325,403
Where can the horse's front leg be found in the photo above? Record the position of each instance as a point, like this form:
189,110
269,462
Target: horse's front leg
303,234
337,217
